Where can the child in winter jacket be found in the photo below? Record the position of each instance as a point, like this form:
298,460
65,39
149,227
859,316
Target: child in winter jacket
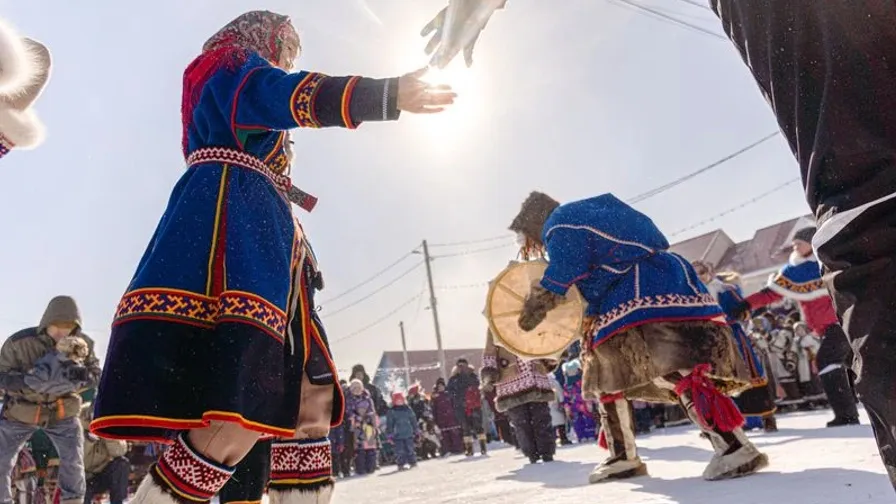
463,386
402,427
577,408
446,419
364,427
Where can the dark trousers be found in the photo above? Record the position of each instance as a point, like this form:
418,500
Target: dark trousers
502,425
472,423
532,424
404,452
833,361
250,477
365,461
113,479
859,258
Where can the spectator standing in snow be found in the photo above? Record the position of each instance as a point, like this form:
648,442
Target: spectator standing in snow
463,386
403,428
446,419
379,403
364,427
558,415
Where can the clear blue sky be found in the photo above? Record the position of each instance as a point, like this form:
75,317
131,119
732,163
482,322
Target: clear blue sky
574,98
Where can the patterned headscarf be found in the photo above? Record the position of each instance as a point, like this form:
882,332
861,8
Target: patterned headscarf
262,32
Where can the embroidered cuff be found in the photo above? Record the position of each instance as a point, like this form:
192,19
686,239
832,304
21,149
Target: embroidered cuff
489,361
188,474
301,462
303,100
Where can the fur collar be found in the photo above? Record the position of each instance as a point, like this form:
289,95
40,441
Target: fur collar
796,259
17,66
21,127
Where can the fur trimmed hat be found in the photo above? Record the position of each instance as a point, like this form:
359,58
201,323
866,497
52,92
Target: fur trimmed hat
806,234
533,214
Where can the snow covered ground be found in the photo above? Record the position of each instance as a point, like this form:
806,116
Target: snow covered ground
810,464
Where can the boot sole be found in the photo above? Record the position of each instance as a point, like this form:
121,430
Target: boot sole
631,473
758,463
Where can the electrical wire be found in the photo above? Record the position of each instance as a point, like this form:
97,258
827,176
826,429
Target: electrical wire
667,18
372,278
378,321
375,292
474,251
697,4
736,208
665,187
470,242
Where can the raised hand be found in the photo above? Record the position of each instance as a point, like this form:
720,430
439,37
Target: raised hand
467,12
418,97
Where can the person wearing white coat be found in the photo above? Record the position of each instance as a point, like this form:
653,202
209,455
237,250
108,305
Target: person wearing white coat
558,416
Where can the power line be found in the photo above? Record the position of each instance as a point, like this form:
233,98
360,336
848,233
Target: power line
736,208
379,320
462,286
471,242
665,187
697,4
667,18
377,291
372,278
473,251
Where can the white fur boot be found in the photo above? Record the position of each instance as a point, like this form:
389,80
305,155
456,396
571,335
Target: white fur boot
618,428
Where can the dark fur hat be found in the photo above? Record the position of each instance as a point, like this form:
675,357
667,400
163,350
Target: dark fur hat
533,214
806,234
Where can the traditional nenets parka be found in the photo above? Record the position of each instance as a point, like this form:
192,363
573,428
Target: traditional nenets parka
24,72
759,400
215,342
523,391
653,331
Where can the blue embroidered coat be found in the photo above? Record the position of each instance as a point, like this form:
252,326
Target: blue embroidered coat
619,261
222,300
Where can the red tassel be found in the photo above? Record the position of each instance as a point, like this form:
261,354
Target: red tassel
715,410
602,439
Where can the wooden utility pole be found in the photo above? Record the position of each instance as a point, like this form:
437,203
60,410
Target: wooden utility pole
435,312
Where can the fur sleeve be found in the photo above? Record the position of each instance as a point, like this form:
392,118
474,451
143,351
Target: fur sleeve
15,64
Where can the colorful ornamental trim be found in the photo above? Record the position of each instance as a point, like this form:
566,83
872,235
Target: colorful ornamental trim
665,301
201,310
234,157
300,462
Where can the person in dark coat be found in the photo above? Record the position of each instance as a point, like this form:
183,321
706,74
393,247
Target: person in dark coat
463,386
446,419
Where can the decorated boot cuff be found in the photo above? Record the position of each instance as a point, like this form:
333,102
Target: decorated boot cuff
301,464
188,475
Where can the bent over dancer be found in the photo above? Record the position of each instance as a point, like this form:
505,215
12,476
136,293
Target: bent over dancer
215,339
654,332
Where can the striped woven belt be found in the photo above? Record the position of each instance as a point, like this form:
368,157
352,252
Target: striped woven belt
245,160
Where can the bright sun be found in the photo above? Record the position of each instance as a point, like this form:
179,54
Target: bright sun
449,129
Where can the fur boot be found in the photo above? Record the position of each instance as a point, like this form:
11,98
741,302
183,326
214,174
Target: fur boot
618,429
301,472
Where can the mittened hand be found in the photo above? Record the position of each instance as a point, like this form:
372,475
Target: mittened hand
536,307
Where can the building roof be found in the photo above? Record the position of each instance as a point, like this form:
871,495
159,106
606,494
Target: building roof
767,249
423,364
693,249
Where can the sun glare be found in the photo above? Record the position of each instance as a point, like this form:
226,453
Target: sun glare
450,129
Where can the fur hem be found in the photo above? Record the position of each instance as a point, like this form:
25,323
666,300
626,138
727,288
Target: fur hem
506,403
149,492
21,127
320,495
16,64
